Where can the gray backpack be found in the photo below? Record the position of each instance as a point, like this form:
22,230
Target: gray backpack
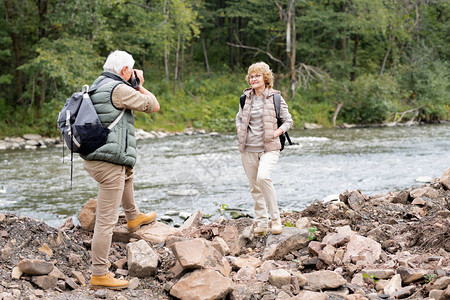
80,126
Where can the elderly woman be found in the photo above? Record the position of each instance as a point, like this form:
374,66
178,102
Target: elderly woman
259,143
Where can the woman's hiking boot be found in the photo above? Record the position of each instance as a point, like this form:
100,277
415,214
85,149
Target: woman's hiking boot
277,228
142,219
107,281
261,230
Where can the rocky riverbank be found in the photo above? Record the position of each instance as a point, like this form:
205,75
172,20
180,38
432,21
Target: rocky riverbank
390,246
36,141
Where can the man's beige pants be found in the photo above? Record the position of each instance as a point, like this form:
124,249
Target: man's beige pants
258,167
115,185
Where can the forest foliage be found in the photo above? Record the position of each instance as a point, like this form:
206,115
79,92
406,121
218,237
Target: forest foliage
336,61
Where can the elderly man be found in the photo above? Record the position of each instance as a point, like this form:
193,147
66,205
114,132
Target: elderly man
119,92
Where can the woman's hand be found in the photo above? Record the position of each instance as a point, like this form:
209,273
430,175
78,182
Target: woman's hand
237,130
277,133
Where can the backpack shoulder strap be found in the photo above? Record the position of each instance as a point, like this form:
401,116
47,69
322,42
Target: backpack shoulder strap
101,83
242,100
277,104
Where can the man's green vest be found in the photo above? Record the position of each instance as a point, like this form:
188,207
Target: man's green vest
120,148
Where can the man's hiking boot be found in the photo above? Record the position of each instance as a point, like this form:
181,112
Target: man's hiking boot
107,282
277,228
142,219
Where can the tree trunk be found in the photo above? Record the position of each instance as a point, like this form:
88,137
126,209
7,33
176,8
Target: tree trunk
43,88
166,62
290,45
294,49
344,49
205,54
336,112
355,58
166,51
180,76
384,61
230,48
175,75
42,6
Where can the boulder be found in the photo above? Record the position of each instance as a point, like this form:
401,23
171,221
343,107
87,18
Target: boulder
246,273
445,178
445,294
404,292
356,200
340,238
203,284
401,197
409,275
200,254
363,249
142,259
426,191
394,285
157,233
221,245
327,254
246,260
35,267
87,215
194,221
246,291
278,246
303,223
279,277
379,273
325,279
45,282
309,295
441,283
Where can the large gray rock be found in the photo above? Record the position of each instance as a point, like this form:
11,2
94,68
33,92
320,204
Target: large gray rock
200,254
35,267
142,259
278,246
320,280
204,284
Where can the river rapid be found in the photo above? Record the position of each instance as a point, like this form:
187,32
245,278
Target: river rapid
190,172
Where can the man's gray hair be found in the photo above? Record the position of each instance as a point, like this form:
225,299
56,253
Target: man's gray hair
117,60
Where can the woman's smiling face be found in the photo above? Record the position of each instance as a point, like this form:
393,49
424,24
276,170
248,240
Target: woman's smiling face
257,81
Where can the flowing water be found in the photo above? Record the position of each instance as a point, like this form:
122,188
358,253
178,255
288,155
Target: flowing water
186,173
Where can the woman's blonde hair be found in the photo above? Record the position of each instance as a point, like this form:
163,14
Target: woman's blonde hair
261,68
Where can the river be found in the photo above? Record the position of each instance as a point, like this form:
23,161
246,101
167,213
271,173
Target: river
186,173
